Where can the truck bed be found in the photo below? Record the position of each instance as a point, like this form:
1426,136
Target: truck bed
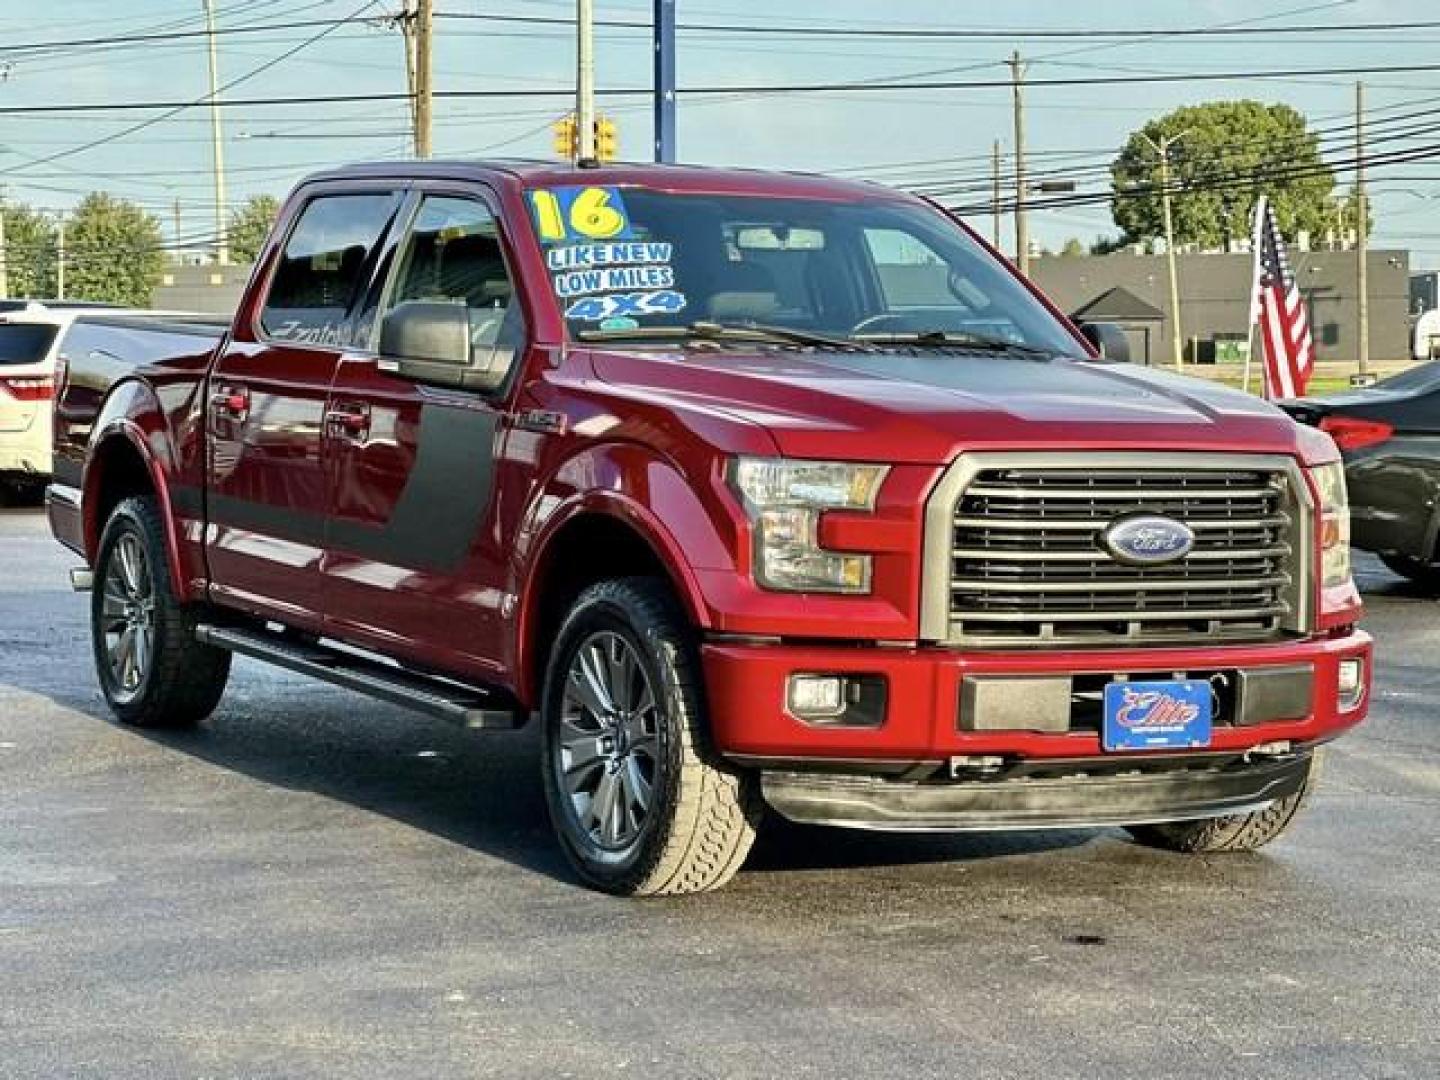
101,350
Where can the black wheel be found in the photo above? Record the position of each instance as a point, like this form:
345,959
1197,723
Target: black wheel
1424,574
640,801
152,670
1235,832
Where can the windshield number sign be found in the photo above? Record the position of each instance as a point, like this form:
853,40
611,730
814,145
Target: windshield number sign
580,213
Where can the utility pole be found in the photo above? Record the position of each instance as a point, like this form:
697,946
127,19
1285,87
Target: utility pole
405,20
4,263
1362,245
995,195
222,242
585,80
665,81
424,82
1022,238
1162,150
178,241
60,256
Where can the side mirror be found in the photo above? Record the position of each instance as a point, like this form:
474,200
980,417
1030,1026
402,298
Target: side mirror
1109,340
428,341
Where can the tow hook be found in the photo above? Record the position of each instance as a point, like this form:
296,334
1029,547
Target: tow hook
1273,750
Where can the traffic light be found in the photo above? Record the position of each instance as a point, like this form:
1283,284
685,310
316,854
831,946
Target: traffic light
567,137
607,139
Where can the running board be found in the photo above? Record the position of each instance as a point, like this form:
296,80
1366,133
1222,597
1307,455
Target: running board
436,697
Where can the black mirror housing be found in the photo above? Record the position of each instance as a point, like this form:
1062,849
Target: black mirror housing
1109,340
428,341
434,331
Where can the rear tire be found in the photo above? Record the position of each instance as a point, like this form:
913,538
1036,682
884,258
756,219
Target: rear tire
153,672
641,802
1235,832
1424,574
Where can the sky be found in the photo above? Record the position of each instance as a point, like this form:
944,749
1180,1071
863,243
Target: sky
909,137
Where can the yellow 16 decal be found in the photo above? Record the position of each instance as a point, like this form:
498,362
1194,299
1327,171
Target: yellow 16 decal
580,213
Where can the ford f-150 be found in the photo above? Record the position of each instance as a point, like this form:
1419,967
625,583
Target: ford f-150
758,490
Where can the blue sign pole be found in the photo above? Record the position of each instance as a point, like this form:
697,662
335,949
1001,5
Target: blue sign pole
665,81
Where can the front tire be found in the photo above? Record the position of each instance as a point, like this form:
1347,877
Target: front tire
1234,832
641,803
153,672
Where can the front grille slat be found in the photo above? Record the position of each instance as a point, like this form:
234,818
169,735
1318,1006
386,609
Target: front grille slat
1026,562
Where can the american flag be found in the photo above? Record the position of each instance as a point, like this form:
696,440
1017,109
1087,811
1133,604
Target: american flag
1277,306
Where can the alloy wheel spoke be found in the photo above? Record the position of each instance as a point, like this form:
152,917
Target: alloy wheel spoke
621,664
582,756
128,565
602,808
587,677
637,787
142,651
123,658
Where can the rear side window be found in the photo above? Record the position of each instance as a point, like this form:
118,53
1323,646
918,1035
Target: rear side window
25,343
323,268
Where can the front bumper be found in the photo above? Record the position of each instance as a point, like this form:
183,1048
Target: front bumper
922,725
1072,795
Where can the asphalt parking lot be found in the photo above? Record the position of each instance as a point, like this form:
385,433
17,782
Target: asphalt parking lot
315,885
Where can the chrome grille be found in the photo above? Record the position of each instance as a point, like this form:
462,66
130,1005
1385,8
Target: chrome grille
1025,564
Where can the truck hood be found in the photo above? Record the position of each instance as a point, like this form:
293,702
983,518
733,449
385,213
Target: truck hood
927,406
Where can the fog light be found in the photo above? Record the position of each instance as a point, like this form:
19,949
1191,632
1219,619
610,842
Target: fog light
813,697
1351,688
837,700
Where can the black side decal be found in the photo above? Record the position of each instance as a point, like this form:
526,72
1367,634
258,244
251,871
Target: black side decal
439,514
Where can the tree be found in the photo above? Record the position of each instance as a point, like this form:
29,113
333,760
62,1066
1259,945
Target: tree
29,252
1227,154
1072,247
250,225
112,252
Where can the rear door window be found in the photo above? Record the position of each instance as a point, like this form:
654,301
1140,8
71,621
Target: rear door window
25,343
325,267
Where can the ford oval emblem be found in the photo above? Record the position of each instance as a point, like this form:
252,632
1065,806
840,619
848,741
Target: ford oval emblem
1148,540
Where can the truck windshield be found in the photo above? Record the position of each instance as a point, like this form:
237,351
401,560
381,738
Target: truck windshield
636,261
24,343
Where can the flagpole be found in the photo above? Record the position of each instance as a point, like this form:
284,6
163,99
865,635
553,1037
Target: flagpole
1249,350
1254,287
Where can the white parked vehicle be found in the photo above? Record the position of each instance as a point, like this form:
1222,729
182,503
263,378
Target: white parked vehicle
1426,344
30,336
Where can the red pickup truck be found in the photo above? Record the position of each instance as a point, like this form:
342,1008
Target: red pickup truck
759,489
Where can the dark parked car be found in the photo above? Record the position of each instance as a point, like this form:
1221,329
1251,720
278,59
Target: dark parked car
1390,437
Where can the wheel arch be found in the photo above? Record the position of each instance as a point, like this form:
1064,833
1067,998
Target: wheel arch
122,464
564,563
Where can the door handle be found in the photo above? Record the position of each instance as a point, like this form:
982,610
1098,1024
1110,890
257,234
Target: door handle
231,403
350,420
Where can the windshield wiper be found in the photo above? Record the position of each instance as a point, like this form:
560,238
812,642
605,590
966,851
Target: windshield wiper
956,338
714,331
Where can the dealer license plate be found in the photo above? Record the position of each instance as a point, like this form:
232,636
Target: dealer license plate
1157,715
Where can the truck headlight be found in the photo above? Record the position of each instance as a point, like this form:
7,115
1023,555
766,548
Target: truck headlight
784,499
1334,524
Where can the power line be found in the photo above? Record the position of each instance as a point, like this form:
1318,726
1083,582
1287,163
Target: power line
756,90
956,32
212,98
